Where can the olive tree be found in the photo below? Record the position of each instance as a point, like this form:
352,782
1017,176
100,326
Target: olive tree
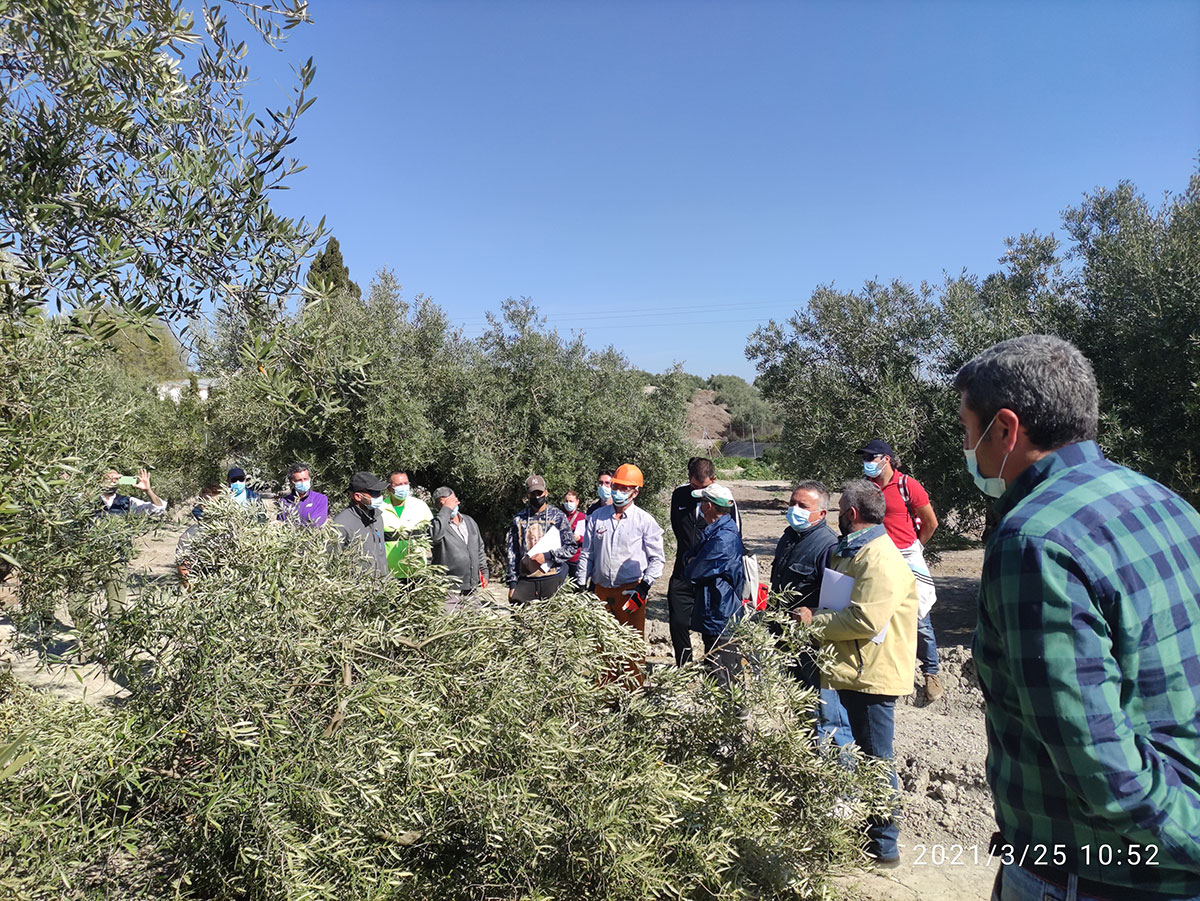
134,184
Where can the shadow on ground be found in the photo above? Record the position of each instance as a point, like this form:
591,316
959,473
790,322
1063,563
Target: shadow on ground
957,609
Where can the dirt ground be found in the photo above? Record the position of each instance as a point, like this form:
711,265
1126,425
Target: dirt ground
940,747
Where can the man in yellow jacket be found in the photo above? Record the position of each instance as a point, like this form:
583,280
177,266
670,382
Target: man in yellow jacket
874,638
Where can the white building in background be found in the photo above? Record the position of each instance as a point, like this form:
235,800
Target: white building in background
174,390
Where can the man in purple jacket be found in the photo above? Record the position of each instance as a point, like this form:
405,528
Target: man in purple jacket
303,505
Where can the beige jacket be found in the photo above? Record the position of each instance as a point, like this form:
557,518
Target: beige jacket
884,594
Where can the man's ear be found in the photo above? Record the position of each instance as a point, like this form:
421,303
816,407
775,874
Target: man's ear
1007,429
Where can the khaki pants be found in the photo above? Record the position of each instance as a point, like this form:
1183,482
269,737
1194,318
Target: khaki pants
80,608
632,672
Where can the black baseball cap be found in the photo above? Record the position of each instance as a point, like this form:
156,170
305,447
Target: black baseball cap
876,446
367,482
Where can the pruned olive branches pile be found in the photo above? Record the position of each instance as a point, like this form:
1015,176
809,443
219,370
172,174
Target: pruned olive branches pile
299,730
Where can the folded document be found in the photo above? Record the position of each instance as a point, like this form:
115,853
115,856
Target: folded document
835,595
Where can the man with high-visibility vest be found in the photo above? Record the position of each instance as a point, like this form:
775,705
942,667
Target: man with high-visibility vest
622,556
406,522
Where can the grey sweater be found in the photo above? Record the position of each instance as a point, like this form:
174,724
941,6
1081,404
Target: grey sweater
464,560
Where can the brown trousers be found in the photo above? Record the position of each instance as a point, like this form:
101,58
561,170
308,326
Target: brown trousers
632,672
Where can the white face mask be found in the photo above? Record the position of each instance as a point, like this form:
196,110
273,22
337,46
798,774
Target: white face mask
994,486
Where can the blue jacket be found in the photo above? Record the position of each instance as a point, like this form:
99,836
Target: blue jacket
718,575
800,558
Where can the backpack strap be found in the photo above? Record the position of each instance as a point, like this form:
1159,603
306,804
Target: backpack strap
912,515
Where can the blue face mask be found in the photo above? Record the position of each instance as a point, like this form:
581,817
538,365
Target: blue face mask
621,498
376,501
872,469
570,506
604,492
797,518
454,510
238,488
302,487
994,486
400,493
198,512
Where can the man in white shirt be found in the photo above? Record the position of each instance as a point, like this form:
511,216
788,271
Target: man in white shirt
622,557
117,504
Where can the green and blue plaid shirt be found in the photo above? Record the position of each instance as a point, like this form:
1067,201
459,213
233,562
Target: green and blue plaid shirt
1088,653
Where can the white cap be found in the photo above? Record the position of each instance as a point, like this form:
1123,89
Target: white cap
718,494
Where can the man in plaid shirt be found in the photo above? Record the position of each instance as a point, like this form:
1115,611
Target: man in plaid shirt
1088,643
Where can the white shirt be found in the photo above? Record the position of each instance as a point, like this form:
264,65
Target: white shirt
136,505
621,550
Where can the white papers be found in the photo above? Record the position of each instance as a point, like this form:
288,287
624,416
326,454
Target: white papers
835,590
550,541
835,595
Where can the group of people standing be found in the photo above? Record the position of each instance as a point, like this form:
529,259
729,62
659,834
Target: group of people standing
1087,647
615,550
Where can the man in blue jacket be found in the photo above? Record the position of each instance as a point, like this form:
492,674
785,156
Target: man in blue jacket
717,574
800,560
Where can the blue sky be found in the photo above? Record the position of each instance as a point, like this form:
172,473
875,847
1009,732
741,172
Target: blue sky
664,176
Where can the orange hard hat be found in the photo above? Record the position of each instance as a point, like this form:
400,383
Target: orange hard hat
628,474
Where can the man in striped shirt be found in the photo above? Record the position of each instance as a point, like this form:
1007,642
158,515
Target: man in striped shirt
1088,643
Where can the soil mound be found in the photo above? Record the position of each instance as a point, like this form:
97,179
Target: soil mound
941,753
707,421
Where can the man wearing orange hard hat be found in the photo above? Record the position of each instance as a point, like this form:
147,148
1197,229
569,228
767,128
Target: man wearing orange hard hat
622,555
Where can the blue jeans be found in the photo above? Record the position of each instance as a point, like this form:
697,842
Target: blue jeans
1016,884
927,646
832,722
873,724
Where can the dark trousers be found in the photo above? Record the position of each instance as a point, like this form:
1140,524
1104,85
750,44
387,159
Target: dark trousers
722,659
681,597
538,589
873,724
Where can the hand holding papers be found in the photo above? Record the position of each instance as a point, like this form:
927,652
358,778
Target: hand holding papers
551,541
835,595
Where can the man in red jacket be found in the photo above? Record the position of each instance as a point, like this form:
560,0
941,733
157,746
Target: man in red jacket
910,522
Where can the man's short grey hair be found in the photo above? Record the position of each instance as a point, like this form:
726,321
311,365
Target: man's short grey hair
816,488
442,492
865,497
1045,380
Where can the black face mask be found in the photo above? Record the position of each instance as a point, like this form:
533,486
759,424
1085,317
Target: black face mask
845,524
536,503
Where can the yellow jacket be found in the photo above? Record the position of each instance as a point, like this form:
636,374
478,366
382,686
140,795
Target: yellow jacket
884,594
